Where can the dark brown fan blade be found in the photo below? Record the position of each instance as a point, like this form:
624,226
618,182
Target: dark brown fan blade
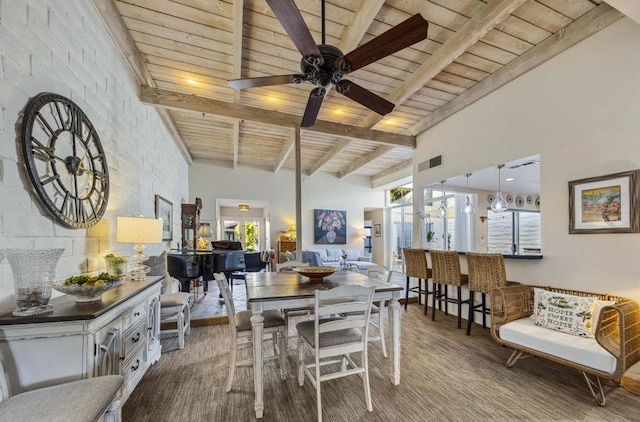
365,97
265,81
313,107
400,36
291,20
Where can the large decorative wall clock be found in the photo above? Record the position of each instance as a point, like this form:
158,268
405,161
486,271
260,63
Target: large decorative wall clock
65,160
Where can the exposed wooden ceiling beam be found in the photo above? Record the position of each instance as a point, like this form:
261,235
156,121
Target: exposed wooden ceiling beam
377,153
359,25
474,29
406,167
284,154
180,101
337,148
591,22
118,31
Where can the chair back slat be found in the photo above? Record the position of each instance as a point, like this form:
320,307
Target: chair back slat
416,265
379,271
223,285
486,271
340,299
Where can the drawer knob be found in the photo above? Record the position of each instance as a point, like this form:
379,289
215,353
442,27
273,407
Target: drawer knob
136,366
136,338
135,314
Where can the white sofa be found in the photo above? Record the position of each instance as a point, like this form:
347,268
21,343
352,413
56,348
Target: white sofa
331,257
608,353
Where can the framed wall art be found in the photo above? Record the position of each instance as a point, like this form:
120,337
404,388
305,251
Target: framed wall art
164,210
604,204
330,226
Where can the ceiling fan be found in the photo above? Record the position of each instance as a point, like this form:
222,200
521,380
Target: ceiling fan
325,65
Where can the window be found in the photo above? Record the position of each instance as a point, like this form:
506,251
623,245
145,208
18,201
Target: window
513,232
443,228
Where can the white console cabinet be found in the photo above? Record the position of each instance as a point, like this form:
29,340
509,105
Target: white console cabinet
119,334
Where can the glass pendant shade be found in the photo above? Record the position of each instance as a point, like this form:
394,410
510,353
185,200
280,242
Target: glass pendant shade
442,211
467,207
499,204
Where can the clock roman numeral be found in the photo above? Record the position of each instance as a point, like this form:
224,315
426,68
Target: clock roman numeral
42,152
44,124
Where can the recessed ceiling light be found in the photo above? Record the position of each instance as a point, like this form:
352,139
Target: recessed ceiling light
192,81
509,179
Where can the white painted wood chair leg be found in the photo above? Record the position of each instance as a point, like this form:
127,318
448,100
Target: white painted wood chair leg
383,342
180,326
300,364
367,387
394,325
257,322
283,353
233,357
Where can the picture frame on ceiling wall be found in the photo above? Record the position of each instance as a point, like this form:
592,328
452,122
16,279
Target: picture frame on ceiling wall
164,210
604,204
377,230
330,227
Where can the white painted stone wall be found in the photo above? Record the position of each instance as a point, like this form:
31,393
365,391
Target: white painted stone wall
63,47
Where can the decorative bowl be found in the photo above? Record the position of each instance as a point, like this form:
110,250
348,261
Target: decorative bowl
86,288
315,274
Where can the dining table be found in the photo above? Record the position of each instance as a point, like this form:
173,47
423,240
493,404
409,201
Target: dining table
290,290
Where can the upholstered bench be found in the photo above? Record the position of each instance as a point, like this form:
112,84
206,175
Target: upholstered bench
604,349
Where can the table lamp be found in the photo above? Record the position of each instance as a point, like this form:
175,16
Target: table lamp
139,230
204,234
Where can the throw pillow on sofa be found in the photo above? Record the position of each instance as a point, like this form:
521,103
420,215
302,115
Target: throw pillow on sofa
565,313
352,254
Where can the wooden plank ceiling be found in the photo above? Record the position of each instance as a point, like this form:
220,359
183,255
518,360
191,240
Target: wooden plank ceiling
184,51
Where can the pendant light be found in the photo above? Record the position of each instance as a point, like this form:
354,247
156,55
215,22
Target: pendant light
499,204
442,211
467,207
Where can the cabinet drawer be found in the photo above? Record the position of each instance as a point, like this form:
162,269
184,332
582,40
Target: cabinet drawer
131,317
134,367
134,337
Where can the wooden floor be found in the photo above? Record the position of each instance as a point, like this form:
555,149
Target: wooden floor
446,376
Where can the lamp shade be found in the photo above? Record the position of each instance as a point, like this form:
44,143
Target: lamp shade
204,231
139,230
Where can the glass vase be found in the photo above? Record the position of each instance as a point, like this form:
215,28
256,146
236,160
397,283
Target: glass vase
33,273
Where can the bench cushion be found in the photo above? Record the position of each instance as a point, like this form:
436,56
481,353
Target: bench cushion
77,401
580,350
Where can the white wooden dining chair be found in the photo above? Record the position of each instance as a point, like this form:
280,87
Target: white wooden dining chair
329,337
289,313
241,333
383,274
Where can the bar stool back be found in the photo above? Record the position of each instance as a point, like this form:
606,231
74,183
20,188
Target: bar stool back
416,266
446,272
486,272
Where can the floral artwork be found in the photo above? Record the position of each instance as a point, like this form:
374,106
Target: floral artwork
330,227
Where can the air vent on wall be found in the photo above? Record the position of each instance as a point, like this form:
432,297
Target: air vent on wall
430,163
526,163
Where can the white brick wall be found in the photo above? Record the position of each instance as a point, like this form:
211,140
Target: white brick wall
63,47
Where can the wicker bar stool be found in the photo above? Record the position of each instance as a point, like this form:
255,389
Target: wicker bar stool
446,272
416,266
486,272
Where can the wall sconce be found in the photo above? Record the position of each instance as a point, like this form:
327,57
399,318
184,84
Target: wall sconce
483,218
243,207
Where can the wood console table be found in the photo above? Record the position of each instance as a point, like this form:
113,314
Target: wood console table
119,334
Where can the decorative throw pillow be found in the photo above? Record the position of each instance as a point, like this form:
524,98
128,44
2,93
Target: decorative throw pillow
562,312
595,314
